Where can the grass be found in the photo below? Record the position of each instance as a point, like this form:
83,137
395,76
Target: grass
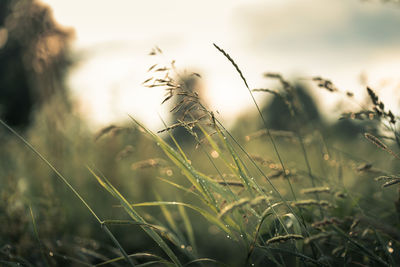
298,197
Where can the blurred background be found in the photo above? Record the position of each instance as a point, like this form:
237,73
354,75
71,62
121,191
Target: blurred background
70,68
345,41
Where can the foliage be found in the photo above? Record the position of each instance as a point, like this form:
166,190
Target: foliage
249,195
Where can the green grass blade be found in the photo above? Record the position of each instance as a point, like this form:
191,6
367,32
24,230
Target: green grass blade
188,228
175,142
136,217
187,190
211,218
185,167
239,165
170,220
37,237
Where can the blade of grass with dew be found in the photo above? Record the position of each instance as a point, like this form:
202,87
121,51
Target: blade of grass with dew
214,185
135,216
187,190
233,205
215,146
259,112
211,218
170,220
228,221
275,189
226,192
188,228
241,168
250,184
241,172
270,182
65,181
217,149
164,231
175,142
184,166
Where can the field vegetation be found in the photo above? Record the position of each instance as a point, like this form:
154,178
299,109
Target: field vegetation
303,193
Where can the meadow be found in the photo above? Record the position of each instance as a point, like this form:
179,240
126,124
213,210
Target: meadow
280,188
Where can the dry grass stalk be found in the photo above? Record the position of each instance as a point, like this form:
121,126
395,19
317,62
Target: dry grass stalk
261,160
276,174
124,153
340,194
311,202
181,123
230,183
326,84
109,129
284,238
326,222
387,178
260,200
275,133
277,76
376,141
237,204
149,163
233,63
316,190
379,106
267,91
364,167
392,182
361,115
269,209
317,237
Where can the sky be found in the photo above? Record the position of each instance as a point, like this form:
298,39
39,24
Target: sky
337,39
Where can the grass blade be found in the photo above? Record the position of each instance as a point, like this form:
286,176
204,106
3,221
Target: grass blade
135,216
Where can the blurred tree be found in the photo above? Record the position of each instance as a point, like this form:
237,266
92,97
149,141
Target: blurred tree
33,60
278,115
186,106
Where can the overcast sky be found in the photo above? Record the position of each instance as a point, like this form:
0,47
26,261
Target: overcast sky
337,39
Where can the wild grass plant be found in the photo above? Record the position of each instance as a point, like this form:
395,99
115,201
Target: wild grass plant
270,197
